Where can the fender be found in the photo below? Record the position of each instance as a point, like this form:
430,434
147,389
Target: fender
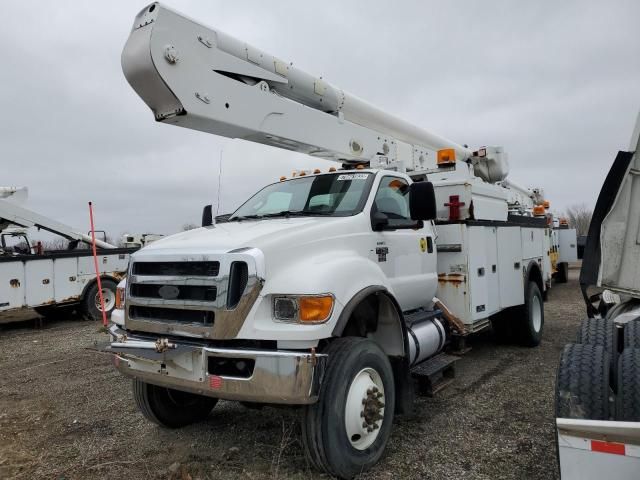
94,280
534,273
349,308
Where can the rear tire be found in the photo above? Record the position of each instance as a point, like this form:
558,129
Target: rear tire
91,299
531,316
171,408
632,334
582,383
357,394
628,399
603,332
562,274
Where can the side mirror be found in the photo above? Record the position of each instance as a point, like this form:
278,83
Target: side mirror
379,221
207,216
422,201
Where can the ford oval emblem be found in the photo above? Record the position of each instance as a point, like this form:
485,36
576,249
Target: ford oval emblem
169,292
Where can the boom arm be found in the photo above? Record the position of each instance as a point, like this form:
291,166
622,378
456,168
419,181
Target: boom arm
203,79
12,214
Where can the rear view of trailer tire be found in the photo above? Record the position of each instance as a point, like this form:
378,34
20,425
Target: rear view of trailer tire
171,408
582,383
628,398
345,432
632,334
603,332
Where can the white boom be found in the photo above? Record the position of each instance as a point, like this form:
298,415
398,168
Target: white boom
12,214
203,79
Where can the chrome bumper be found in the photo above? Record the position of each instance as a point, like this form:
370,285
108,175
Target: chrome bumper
278,376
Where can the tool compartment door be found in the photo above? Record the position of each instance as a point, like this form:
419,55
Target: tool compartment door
510,266
66,286
12,285
39,282
568,245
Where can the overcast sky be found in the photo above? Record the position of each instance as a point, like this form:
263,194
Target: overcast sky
556,83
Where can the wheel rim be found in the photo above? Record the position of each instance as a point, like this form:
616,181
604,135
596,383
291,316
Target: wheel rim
109,300
536,314
364,408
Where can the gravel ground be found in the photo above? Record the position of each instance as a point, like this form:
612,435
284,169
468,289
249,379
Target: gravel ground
65,413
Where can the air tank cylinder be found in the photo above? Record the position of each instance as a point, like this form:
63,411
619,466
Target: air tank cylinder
426,339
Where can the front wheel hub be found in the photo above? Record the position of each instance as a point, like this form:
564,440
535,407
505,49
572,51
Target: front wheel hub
364,409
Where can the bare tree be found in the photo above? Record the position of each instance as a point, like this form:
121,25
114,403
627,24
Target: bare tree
189,226
579,217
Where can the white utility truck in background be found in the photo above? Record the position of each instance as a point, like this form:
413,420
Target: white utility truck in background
598,383
53,283
330,290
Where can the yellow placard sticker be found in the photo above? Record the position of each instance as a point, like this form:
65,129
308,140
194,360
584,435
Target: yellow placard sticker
423,244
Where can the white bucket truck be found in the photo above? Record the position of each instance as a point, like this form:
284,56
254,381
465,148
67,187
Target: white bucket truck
328,289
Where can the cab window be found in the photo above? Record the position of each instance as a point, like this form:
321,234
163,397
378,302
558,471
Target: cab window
392,199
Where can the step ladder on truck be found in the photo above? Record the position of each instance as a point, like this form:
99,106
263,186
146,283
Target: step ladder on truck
330,289
598,381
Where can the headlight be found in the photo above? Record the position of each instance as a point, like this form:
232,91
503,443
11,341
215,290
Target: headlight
303,308
120,297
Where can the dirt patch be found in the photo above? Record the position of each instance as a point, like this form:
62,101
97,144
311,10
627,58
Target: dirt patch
65,414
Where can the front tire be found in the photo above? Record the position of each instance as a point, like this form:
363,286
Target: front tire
345,432
171,408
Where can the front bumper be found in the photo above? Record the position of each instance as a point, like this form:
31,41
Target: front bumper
278,376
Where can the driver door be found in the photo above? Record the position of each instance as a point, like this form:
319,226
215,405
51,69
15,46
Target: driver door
406,255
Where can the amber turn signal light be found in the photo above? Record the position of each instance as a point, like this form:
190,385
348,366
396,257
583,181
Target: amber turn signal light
315,309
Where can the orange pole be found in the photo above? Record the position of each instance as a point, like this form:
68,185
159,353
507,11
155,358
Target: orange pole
95,264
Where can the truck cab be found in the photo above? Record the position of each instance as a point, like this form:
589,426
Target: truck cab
15,241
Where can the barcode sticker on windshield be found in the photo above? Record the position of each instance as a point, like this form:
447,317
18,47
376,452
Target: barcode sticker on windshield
353,176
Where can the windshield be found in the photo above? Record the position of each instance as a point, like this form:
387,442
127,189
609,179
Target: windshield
339,194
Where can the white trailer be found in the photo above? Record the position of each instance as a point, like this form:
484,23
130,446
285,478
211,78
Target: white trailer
56,282
329,289
598,383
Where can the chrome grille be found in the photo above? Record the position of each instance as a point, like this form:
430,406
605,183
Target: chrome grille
203,298
179,269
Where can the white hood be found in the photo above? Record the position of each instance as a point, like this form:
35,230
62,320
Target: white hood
260,234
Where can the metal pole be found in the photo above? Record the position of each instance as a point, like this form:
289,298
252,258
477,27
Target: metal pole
95,264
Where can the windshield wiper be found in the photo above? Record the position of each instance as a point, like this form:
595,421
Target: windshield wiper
296,213
283,213
245,217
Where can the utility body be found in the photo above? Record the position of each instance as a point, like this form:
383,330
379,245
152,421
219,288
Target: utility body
329,289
